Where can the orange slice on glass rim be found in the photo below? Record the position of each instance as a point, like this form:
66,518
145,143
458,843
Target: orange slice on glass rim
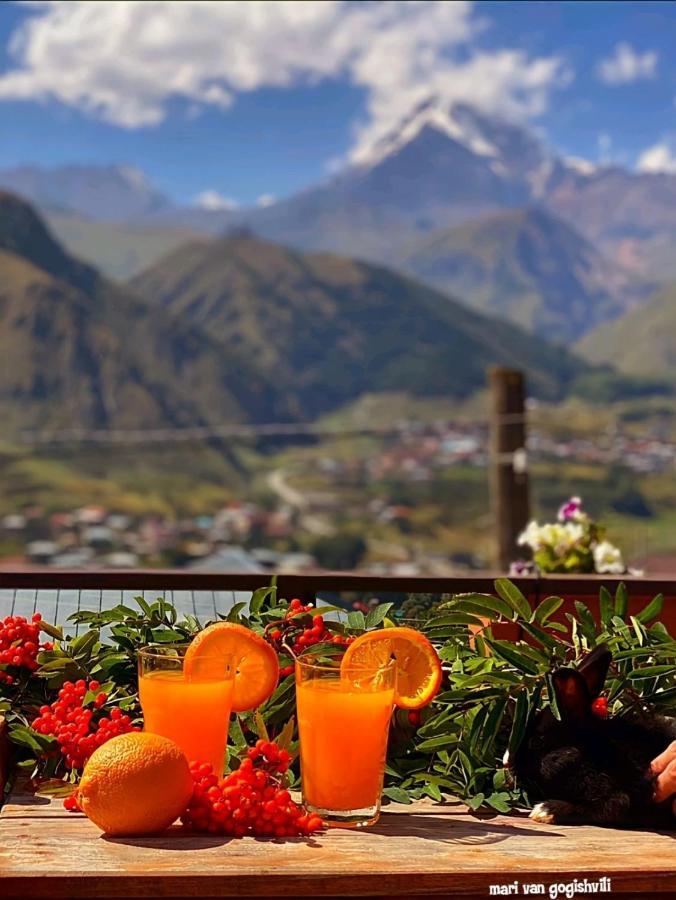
418,665
255,661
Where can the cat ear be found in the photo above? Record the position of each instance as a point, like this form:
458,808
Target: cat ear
594,668
572,694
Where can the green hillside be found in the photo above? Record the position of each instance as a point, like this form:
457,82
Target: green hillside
328,329
642,342
525,266
76,351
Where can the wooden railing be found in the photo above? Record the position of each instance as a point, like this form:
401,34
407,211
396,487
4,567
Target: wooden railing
308,586
291,585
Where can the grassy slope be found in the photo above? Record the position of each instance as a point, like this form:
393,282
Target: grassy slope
525,266
330,329
642,342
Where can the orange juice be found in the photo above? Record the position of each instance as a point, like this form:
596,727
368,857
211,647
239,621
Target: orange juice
194,713
343,739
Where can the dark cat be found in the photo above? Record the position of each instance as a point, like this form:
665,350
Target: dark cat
592,770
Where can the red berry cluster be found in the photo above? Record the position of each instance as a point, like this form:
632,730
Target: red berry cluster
299,637
71,803
252,800
80,729
414,718
600,707
20,644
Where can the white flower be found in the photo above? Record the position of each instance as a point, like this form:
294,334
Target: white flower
562,536
531,536
608,559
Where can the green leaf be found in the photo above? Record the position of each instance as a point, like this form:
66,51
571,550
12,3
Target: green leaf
652,610
606,606
432,791
434,743
477,728
546,609
236,734
586,621
113,659
650,672
396,794
621,600
454,618
521,710
541,636
513,596
621,626
26,737
285,736
51,630
144,606
166,636
475,802
54,664
233,614
492,726
499,802
82,645
355,619
259,726
259,597
639,630
661,695
482,605
376,615
508,652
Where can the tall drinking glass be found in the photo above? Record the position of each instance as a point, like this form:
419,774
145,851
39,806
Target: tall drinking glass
191,709
343,723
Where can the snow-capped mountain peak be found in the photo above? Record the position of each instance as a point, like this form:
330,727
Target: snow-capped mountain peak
507,148
431,113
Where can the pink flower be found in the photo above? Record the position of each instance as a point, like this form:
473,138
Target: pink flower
571,511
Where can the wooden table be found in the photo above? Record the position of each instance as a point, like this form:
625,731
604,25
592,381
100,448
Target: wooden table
413,851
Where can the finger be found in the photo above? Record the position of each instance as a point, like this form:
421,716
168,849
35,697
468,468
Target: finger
665,785
660,762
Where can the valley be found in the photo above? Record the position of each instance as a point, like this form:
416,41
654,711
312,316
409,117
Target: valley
374,299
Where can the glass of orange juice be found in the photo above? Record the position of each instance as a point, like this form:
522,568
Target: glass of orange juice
343,723
192,709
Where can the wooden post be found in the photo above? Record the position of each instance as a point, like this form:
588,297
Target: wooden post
508,461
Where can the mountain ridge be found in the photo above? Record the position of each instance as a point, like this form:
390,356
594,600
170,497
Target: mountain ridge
527,266
330,327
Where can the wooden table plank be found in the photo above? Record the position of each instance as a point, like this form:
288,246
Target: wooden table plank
413,851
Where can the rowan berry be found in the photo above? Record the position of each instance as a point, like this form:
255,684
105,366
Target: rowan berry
19,645
78,729
250,800
414,717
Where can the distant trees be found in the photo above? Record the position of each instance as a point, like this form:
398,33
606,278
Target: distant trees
342,551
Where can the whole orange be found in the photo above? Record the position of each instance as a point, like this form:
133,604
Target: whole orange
136,783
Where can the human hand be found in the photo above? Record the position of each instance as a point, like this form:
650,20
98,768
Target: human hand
664,766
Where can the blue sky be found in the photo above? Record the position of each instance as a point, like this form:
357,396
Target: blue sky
245,100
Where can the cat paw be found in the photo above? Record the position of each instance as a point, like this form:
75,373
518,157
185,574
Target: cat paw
542,813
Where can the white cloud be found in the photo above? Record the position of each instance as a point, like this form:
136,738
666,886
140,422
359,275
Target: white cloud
124,61
627,65
658,158
213,200
266,200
